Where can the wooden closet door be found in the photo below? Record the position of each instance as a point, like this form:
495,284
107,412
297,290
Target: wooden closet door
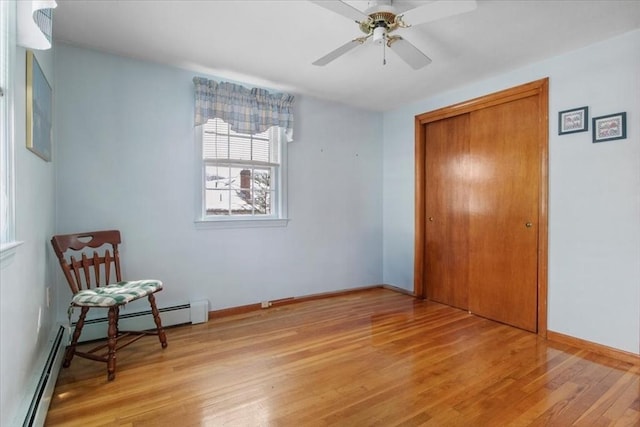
447,200
503,212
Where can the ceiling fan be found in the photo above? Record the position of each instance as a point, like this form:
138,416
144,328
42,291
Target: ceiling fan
381,19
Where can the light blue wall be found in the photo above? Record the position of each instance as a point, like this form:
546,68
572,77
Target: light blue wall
127,159
594,200
25,276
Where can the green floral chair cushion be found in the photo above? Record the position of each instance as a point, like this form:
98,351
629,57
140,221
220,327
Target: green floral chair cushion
115,294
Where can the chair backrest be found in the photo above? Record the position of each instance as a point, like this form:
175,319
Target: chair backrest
91,268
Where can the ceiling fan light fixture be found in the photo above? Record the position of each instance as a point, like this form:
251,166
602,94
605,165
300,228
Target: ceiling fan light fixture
379,35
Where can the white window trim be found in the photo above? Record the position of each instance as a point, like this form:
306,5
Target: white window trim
7,20
204,222
8,250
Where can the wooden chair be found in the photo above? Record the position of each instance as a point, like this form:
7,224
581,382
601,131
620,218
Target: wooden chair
89,291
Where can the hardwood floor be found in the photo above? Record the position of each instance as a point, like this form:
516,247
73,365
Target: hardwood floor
373,358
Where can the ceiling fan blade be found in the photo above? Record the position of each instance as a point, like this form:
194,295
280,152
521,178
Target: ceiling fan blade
409,53
437,10
343,9
338,52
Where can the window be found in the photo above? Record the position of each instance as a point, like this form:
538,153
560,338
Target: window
7,49
243,175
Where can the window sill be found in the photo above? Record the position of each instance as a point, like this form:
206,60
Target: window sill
206,224
8,250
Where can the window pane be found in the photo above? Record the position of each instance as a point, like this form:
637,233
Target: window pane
217,126
262,179
240,191
275,136
217,192
261,150
263,135
241,202
215,147
239,148
240,178
215,140
217,202
262,191
262,202
219,142
217,177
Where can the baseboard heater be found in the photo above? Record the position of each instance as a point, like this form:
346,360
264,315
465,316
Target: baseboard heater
43,386
36,412
194,312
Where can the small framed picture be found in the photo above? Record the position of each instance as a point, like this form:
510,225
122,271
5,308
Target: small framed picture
574,120
609,128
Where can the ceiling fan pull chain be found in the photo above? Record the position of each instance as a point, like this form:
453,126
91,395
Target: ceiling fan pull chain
384,50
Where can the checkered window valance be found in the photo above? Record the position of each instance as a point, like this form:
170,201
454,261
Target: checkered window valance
248,111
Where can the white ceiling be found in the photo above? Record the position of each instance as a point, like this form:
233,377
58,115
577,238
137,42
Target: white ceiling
273,43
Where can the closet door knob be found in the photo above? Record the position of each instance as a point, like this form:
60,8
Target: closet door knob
529,225
431,218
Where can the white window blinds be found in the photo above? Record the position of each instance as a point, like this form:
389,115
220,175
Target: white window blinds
221,143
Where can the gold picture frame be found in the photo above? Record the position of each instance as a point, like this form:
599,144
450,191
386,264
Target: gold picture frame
39,107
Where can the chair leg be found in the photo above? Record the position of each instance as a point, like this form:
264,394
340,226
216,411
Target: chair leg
117,307
71,350
112,333
156,318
